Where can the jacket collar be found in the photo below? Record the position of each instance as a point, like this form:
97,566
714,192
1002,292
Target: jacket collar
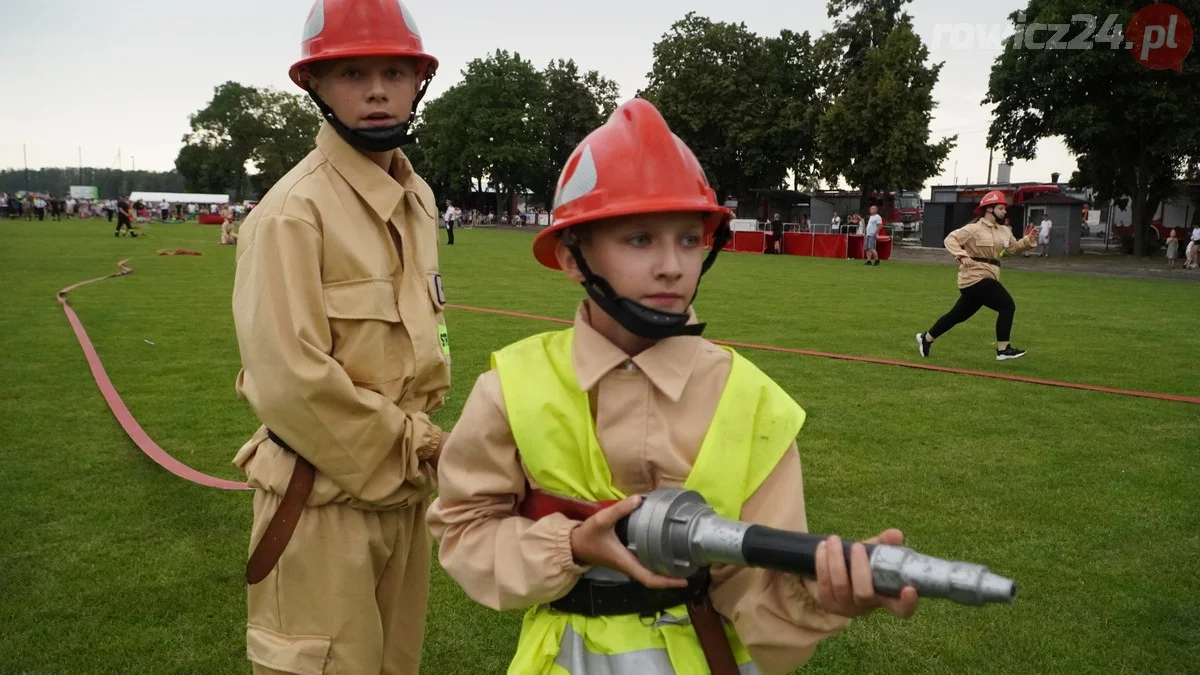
668,364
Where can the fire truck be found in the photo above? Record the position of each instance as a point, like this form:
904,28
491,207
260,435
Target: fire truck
1016,194
900,209
1157,227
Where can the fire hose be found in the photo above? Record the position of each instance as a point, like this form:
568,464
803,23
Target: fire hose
675,532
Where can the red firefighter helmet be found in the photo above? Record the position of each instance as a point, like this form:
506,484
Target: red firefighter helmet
632,164
338,29
991,198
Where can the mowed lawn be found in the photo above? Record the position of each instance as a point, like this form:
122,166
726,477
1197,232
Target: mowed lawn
109,564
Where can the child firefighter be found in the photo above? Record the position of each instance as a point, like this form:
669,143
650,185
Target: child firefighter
338,307
629,399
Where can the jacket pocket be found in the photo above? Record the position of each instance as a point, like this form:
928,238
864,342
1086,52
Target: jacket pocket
364,319
298,654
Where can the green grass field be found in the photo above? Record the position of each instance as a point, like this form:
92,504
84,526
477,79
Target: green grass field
108,564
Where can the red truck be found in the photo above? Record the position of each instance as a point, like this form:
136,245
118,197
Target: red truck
903,208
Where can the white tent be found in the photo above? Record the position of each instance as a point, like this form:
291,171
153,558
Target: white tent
178,198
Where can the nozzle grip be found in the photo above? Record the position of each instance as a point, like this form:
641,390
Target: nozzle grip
793,552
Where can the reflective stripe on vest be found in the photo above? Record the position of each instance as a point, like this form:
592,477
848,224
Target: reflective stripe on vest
550,417
575,659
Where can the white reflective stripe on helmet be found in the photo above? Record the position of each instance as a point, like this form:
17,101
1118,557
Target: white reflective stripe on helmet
408,19
316,21
580,182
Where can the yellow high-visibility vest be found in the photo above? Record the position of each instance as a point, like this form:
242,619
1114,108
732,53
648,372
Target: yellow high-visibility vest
754,424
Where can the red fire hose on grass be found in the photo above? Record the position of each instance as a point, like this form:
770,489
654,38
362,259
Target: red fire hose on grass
165,460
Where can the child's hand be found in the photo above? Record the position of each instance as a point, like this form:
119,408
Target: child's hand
851,593
596,543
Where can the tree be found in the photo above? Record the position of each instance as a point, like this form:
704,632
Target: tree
875,132
853,35
505,99
575,105
742,103
292,123
492,125
240,126
783,136
224,137
1132,129
441,151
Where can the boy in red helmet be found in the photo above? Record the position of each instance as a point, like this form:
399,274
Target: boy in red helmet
338,306
978,246
632,398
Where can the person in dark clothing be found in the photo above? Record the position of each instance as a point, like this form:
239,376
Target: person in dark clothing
124,217
777,235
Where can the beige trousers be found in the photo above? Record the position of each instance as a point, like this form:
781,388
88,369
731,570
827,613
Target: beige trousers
348,595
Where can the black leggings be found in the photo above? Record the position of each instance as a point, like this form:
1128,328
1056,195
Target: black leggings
986,293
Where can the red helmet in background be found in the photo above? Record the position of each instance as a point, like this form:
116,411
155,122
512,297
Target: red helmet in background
990,199
339,29
632,164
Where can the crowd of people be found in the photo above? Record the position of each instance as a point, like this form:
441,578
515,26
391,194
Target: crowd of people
124,210
42,206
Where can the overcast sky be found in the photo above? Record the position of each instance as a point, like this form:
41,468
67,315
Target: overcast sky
119,78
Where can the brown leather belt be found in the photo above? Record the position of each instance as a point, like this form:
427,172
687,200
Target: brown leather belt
283,523
713,640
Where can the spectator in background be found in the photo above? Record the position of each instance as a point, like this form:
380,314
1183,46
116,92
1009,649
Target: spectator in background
776,235
870,247
451,216
228,236
1044,234
164,209
1194,255
1172,249
836,224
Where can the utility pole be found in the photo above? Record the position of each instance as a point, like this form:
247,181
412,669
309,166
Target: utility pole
989,181
81,165
25,155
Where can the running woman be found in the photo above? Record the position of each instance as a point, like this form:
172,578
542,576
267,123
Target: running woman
978,246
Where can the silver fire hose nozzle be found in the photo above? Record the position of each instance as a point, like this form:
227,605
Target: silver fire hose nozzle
675,532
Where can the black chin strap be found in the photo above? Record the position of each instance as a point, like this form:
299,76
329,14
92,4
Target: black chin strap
380,139
642,321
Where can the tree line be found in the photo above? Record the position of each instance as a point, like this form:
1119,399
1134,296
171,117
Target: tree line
111,183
